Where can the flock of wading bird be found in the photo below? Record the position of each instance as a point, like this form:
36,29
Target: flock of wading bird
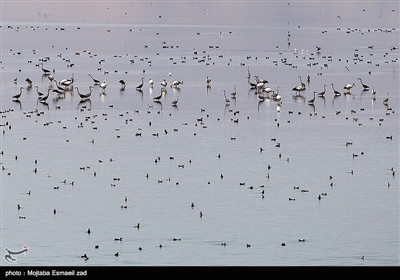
259,85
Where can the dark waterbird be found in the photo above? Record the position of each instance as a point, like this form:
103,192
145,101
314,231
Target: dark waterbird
17,96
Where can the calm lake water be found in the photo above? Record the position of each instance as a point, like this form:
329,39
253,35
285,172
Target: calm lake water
320,179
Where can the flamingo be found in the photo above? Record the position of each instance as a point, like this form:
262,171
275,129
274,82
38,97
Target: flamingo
45,71
227,101
140,86
365,87
17,96
300,87
322,92
311,101
43,99
157,98
84,96
335,91
95,81
38,92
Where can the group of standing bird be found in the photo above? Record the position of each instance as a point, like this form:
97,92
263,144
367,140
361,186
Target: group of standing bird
259,85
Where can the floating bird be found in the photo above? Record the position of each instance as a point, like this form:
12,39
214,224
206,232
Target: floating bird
103,86
140,86
28,81
208,80
95,81
123,85
151,82
365,87
17,96
175,102
45,71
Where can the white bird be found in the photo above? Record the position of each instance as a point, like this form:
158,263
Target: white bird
176,84
151,82
208,80
349,86
67,82
103,86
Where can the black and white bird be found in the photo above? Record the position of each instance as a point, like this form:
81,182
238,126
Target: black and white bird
208,80
337,93
45,71
139,87
322,92
83,95
300,87
95,81
175,102
17,96
349,86
123,85
365,87
43,99
164,83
